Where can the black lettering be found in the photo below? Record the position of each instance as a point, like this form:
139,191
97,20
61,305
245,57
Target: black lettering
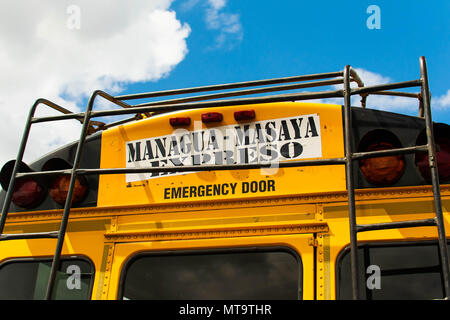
284,132
245,187
311,128
193,191
148,152
197,145
270,185
218,157
176,193
208,190
216,190
173,147
212,141
155,164
266,150
262,186
296,127
233,187
185,192
134,154
229,157
201,191
196,159
167,193
258,137
185,147
297,148
161,146
177,161
242,138
206,158
225,189
271,131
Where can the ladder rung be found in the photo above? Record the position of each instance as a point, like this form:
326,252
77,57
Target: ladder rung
395,225
35,235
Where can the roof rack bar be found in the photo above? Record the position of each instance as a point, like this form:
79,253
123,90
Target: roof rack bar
244,92
399,94
229,86
390,86
223,103
76,116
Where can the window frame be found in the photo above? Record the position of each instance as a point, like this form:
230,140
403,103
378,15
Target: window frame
370,244
183,252
50,258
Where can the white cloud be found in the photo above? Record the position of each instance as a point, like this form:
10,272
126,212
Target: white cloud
388,103
118,43
441,102
228,24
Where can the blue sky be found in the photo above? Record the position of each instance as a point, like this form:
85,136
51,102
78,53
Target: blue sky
141,45
278,39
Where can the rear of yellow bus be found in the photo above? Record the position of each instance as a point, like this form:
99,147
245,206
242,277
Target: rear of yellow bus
274,233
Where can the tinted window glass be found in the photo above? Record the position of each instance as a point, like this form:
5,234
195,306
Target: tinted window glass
27,280
225,275
406,271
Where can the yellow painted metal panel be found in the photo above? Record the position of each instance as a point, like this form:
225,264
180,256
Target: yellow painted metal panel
128,190
299,243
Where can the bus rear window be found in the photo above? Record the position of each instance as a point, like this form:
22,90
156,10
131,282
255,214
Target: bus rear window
209,275
26,279
400,271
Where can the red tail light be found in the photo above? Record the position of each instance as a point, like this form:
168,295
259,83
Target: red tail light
180,121
27,193
211,117
442,141
381,171
244,115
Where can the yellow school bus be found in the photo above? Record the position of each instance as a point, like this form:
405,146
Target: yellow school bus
222,196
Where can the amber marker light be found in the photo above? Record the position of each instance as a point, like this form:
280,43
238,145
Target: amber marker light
58,186
381,171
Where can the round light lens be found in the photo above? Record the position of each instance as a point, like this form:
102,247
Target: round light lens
442,143
381,171
59,188
27,193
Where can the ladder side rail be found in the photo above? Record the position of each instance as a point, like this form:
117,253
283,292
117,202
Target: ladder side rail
68,203
350,183
432,162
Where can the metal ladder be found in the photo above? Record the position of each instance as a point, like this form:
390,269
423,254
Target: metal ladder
438,220
198,102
